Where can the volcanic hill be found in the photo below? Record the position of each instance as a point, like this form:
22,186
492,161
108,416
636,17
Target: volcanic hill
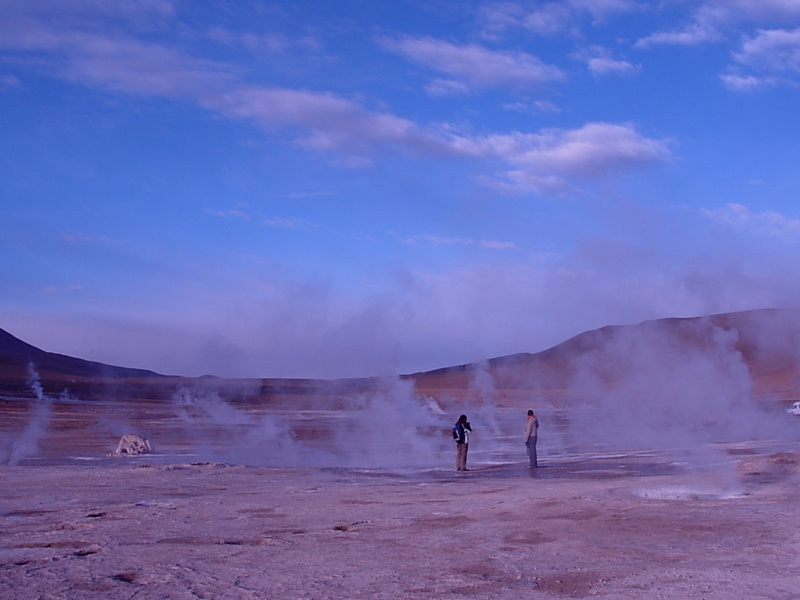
766,342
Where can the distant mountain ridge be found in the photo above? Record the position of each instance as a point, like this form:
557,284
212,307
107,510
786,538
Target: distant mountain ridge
15,352
748,324
768,341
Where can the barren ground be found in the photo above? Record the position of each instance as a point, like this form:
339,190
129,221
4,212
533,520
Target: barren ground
624,526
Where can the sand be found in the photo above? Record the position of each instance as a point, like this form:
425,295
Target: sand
632,525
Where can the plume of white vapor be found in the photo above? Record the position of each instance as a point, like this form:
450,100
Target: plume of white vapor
388,427
26,444
222,432
392,427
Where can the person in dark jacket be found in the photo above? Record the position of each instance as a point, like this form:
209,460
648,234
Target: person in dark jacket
461,433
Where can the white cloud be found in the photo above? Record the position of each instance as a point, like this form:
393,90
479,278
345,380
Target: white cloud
435,240
343,127
772,50
741,218
117,62
592,150
713,18
476,65
545,161
88,13
518,181
610,66
552,18
602,9
600,62
528,106
769,58
447,87
745,83
334,124
754,11
693,35
548,19
545,106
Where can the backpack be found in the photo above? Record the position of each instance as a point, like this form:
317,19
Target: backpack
456,432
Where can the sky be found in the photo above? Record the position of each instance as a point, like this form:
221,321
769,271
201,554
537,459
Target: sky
342,189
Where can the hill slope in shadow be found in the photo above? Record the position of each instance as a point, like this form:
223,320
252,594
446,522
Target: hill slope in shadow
16,353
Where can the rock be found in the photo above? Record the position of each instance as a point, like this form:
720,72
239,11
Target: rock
131,445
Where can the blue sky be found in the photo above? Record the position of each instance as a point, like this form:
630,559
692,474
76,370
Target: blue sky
335,189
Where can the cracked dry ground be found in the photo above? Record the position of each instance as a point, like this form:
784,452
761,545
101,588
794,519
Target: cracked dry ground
625,527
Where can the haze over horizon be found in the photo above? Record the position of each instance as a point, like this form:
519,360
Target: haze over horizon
312,189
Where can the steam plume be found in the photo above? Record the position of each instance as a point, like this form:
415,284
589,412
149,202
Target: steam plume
648,389
26,444
389,427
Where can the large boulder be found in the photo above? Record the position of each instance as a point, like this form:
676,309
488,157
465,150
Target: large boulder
131,445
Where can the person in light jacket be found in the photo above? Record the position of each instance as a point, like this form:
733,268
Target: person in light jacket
461,432
531,435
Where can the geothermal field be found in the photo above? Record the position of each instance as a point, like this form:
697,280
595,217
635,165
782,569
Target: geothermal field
669,468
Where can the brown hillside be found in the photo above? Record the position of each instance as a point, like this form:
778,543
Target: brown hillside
766,341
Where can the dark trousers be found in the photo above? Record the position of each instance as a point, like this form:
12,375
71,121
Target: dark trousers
531,444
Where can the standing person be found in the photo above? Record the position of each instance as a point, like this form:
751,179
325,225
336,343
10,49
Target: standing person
461,432
531,435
